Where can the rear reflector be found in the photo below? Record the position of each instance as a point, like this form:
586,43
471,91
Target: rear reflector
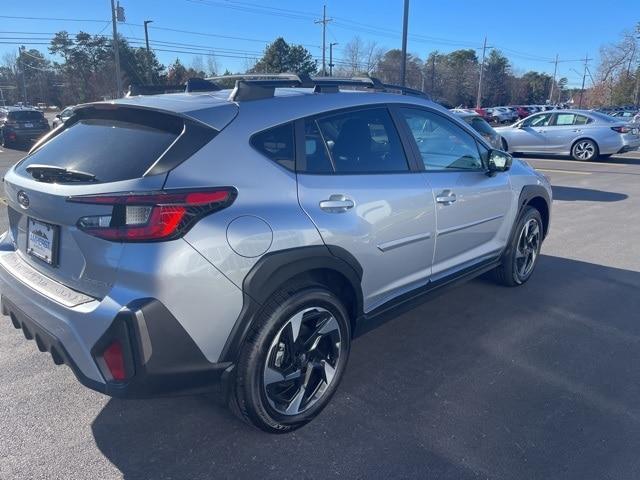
114,359
153,216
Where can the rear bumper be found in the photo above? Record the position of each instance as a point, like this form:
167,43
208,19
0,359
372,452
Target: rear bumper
25,135
161,358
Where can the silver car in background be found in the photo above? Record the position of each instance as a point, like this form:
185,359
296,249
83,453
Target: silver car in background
584,135
481,126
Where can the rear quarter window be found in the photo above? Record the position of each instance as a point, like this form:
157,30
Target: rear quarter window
277,143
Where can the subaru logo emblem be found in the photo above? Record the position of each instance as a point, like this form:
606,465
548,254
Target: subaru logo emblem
23,199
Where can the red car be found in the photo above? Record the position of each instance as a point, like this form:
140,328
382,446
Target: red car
482,112
522,112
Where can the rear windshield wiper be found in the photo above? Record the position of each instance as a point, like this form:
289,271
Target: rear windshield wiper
51,173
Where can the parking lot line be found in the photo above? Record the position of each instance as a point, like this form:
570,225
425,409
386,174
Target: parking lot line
576,162
563,171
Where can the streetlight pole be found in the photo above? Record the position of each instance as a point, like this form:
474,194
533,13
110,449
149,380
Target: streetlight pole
146,39
116,50
403,60
331,58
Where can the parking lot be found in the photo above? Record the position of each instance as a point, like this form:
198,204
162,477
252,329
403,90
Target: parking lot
539,382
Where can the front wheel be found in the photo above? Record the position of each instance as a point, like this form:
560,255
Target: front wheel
293,359
521,256
584,150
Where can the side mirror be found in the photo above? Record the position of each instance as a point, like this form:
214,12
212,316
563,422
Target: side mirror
499,161
58,115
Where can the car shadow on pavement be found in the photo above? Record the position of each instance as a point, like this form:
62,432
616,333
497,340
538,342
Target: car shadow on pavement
540,381
616,159
572,194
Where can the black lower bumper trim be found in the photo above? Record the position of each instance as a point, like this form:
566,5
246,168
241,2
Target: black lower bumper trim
47,342
162,359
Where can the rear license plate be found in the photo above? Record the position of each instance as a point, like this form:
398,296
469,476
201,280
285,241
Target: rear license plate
28,125
42,241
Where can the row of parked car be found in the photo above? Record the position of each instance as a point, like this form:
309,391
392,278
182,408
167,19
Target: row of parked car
511,114
582,134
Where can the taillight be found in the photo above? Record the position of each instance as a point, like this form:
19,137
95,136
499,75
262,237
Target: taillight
622,129
152,216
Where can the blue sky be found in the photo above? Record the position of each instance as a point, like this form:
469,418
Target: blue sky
530,33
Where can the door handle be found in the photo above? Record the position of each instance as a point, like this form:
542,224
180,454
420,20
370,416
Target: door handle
446,197
577,130
337,204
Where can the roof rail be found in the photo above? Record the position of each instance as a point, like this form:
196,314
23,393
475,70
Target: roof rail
260,86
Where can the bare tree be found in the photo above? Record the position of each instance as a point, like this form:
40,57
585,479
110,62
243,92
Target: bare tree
212,64
617,73
360,57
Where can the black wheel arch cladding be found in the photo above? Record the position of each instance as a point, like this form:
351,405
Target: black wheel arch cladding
275,269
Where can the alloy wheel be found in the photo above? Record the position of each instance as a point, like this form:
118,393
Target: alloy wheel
302,361
527,248
584,150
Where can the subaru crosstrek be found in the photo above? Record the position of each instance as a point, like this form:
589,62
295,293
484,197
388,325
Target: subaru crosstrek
174,243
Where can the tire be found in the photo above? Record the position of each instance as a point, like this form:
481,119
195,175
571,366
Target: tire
585,150
515,268
4,142
283,379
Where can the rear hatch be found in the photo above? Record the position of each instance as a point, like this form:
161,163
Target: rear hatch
27,121
103,149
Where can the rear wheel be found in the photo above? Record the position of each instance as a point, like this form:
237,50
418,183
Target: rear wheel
521,256
293,359
585,150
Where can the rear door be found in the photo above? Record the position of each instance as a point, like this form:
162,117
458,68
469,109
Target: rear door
356,184
564,129
118,146
472,208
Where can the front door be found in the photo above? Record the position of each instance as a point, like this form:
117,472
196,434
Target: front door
471,207
531,134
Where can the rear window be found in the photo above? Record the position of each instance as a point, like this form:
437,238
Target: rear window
24,116
112,149
479,125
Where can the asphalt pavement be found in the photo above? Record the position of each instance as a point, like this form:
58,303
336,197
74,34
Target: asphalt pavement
537,382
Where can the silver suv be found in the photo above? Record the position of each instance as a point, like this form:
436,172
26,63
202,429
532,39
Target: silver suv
174,243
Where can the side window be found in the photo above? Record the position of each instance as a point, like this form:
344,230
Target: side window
362,141
564,119
581,120
537,120
277,144
316,156
442,144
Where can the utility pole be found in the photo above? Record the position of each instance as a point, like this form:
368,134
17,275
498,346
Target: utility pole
22,72
116,50
584,77
484,50
555,71
146,39
324,23
403,60
331,65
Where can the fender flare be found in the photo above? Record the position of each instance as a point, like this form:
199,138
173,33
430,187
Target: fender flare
273,270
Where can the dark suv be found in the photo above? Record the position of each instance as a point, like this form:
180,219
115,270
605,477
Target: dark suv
21,125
